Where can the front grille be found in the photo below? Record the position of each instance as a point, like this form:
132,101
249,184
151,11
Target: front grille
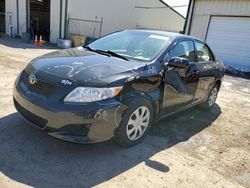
39,87
36,120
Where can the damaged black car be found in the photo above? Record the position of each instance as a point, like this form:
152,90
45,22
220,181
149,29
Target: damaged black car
117,86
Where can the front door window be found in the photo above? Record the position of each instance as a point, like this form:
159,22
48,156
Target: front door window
184,49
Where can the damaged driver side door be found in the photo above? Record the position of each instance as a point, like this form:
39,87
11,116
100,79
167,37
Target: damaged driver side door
180,82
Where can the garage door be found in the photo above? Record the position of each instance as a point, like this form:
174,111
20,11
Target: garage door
229,38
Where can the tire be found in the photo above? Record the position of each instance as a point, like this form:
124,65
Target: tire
132,130
211,99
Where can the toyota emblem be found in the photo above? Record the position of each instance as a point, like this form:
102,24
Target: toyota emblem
32,79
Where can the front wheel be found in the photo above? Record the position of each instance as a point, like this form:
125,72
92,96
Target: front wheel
135,122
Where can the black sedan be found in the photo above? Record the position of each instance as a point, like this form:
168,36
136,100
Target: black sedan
117,86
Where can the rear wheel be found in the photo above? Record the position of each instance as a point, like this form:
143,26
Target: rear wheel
209,103
135,123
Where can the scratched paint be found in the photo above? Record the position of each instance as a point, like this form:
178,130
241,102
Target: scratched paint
101,115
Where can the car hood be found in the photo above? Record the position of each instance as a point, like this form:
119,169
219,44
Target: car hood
87,68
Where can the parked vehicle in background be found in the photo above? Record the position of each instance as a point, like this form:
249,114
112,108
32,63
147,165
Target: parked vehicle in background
117,86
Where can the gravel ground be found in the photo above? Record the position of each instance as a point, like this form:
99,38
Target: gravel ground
193,149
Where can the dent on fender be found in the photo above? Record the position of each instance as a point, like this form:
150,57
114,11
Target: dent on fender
105,122
101,129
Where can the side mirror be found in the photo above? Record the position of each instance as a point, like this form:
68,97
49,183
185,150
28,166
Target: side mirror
177,62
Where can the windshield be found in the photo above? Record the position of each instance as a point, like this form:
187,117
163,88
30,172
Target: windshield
142,46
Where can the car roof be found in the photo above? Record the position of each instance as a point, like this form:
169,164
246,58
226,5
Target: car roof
171,35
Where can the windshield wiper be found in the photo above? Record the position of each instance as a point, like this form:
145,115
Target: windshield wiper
107,53
117,55
98,51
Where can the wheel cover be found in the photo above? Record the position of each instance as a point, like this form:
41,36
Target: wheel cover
212,97
138,123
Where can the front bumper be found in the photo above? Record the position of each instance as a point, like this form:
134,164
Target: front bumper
86,123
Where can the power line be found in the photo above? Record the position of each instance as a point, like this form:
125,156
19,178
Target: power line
179,6
144,7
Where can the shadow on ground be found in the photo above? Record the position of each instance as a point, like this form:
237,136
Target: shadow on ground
14,43
29,156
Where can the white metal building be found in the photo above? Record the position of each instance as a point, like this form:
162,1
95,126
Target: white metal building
225,26
93,18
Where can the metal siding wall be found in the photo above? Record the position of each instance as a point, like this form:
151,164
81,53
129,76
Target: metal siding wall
22,16
117,15
55,20
204,8
11,9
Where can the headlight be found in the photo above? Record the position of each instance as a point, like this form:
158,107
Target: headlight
89,94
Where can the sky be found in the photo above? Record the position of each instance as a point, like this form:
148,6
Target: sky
182,10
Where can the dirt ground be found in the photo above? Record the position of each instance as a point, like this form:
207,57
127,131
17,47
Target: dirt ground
193,149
